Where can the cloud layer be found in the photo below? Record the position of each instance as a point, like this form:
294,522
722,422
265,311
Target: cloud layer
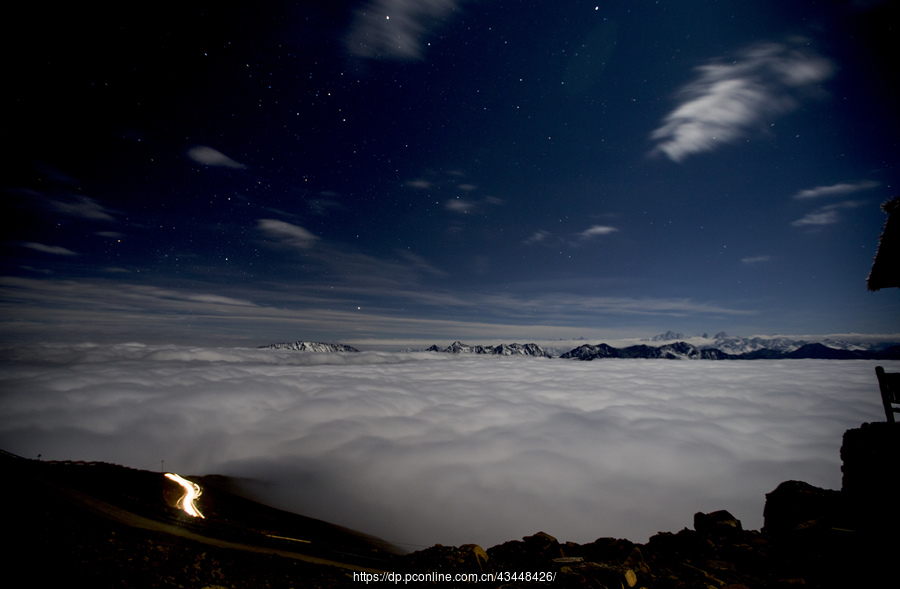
421,448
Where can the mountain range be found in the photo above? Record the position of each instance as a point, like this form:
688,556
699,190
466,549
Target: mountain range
719,347
310,347
685,351
735,349
458,347
736,345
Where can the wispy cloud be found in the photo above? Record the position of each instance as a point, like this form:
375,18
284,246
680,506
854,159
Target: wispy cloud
84,207
827,215
835,189
755,259
459,205
286,234
571,240
420,264
212,157
728,100
48,249
395,29
597,230
71,205
212,299
539,236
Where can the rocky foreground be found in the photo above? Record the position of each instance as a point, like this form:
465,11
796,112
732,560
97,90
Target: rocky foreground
66,528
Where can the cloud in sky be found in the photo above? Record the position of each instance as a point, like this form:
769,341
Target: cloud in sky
572,240
286,234
83,207
539,236
827,215
835,189
71,205
729,100
395,29
459,205
422,448
212,157
597,230
49,249
420,264
755,259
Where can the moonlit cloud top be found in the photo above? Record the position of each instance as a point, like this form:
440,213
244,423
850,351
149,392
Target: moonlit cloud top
420,448
727,101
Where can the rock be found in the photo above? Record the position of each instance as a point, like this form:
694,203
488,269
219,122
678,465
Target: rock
635,565
543,545
796,505
593,574
567,560
717,524
440,558
481,557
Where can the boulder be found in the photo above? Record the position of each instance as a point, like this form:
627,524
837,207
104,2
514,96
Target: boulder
719,524
795,505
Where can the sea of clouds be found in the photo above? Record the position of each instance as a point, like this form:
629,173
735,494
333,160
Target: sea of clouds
423,448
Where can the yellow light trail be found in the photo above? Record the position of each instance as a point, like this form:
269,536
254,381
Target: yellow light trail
191,492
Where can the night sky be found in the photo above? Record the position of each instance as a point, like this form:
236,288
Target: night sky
402,170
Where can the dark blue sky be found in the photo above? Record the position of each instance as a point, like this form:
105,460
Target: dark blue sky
443,169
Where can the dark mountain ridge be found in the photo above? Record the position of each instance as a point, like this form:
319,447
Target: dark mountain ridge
121,527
